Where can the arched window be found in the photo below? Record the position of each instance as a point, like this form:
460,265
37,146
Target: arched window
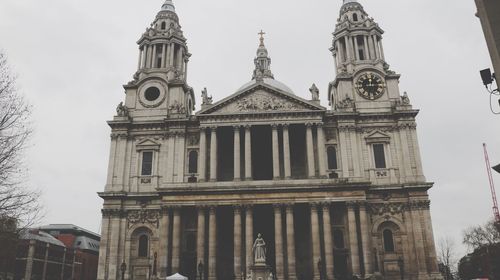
143,246
332,157
193,162
355,17
388,241
163,25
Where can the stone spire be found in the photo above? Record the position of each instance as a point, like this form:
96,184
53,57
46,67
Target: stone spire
262,61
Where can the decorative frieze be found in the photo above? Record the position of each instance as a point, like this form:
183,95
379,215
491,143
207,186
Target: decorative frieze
143,216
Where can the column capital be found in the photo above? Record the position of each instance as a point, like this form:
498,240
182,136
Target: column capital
236,127
285,125
289,207
352,204
247,126
203,128
277,206
212,209
201,207
309,124
274,126
326,204
237,208
320,125
315,205
213,128
248,207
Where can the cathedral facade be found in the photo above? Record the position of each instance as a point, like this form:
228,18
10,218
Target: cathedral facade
332,192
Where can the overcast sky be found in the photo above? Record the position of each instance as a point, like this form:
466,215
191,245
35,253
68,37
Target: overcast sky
73,56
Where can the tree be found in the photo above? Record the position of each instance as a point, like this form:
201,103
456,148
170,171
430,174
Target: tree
19,204
478,236
447,257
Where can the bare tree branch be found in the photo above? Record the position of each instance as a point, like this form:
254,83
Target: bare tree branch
18,203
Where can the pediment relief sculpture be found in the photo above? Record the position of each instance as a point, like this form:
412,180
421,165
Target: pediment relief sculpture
261,101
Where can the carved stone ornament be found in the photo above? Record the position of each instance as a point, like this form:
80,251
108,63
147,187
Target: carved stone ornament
143,216
121,110
264,102
347,103
177,108
382,209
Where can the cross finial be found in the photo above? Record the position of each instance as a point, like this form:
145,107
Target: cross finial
261,33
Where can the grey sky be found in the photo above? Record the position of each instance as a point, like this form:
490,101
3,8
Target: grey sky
73,56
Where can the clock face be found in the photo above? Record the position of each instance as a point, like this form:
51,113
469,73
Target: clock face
370,86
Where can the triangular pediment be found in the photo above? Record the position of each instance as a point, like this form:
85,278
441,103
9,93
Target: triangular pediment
147,144
378,136
260,98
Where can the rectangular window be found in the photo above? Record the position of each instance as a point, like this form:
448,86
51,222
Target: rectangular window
147,163
379,155
332,158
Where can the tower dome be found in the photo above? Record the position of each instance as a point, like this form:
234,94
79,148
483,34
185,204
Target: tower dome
168,6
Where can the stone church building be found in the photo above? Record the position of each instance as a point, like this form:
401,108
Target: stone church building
334,192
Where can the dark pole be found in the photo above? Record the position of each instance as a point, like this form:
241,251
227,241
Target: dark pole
123,268
200,271
401,265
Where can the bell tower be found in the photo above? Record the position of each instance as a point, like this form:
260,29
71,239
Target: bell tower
159,88
364,81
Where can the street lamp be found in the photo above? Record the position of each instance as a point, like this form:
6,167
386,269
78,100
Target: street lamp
123,267
320,269
401,265
200,270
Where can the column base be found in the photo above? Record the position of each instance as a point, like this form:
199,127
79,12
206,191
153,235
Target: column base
213,180
237,179
276,178
248,179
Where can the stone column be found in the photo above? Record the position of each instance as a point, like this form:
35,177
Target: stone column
237,165
276,152
310,151
200,238
316,250
163,55
202,173
172,53
418,237
381,49
237,242
327,232
176,240
356,48
147,57
290,242
180,54
366,49
348,47
365,239
321,151
353,238
248,236
164,236
278,241
139,63
248,153
212,244
286,152
375,46
213,155
429,233
153,57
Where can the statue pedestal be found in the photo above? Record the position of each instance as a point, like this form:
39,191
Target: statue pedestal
260,271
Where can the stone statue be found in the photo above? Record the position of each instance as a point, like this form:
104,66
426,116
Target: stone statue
404,99
206,100
314,92
121,110
259,250
271,276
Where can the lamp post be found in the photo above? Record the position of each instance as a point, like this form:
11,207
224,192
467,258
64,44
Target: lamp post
320,269
401,265
200,270
123,268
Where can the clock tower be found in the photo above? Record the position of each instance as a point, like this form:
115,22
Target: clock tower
364,82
